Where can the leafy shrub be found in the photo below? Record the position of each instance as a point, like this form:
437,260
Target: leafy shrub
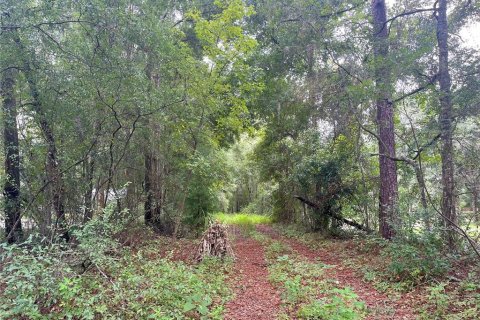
294,291
97,239
31,274
208,171
413,264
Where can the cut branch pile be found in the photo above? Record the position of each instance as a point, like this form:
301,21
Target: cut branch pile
214,243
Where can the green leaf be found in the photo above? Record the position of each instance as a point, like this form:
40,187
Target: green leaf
203,310
188,306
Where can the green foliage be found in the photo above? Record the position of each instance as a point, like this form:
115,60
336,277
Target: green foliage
97,238
245,192
43,282
39,276
242,219
297,278
324,175
342,304
170,289
447,300
437,296
102,86
277,249
414,263
206,174
260,237
30,276
302,282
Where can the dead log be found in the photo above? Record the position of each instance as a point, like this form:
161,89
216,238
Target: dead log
335,216
214,243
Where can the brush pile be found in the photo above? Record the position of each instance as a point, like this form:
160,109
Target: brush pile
214,243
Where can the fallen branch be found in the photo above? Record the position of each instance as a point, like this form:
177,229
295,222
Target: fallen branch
335,216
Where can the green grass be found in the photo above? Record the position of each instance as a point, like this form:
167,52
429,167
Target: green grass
242,219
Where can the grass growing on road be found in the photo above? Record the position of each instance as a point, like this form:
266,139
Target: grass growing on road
306,291
242,219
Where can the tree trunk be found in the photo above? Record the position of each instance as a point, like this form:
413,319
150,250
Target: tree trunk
148,206
11,188
54,175
100,197
448,194
423,195
130,198
388,196
475,204
89,169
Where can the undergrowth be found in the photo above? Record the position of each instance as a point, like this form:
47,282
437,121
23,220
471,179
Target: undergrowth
396,267
99,279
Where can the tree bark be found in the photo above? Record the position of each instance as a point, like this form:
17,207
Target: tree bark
388,195
11,188
445,120
130,198
475,205
89,166
148,206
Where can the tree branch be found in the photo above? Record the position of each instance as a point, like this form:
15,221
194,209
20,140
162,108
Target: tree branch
335,216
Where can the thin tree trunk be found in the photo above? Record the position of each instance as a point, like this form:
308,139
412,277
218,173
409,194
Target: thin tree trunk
446,116
11,188
89,169
148,206
388,195
130,199
100,197
475,205
423,196
54,175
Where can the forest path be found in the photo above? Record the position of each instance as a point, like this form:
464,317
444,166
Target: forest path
380,305
255,297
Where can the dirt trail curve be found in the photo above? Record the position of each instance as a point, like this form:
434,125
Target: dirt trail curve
255,298
382,306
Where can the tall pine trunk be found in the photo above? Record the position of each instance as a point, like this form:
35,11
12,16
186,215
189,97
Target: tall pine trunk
446,132
11,188
388,196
